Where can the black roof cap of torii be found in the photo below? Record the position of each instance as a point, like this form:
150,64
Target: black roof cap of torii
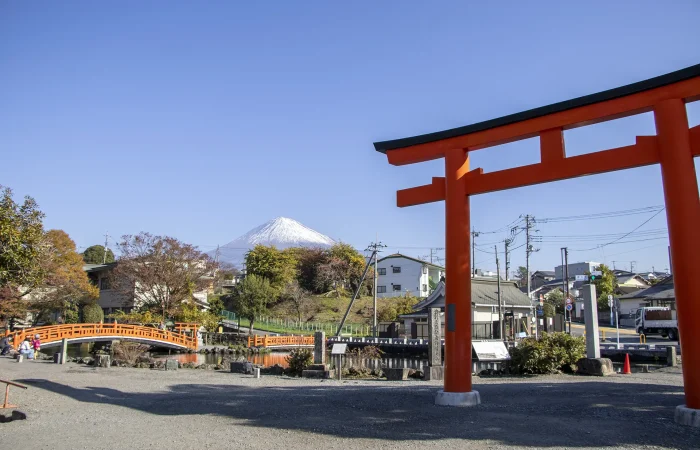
611,94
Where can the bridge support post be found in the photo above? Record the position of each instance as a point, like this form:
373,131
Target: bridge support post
64,350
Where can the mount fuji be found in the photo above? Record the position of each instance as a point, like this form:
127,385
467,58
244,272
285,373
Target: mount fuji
281,232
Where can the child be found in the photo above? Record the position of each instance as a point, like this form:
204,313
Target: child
36,343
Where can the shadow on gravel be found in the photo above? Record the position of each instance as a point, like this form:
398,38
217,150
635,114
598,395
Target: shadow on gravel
592,414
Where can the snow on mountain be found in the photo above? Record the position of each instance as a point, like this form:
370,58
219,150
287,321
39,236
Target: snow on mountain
281,232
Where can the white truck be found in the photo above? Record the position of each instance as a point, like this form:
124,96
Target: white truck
657,320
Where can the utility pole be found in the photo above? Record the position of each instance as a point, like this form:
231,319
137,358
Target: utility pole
633,266
431,253
374,290
566,277
500,305
104,253
475,234
529,224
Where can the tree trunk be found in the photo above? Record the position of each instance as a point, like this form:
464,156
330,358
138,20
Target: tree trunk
250,329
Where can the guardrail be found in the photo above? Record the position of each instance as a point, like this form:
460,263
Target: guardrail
280,341
228,315
56,333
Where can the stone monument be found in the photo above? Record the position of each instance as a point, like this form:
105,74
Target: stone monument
593,364
320,347
434,369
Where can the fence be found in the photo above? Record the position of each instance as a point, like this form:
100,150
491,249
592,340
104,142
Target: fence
280,341
290,325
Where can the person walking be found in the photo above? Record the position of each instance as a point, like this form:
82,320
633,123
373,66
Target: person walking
36,344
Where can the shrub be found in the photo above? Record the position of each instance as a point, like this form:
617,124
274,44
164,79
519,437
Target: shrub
552,353
299,360
92,313
365,353
129,352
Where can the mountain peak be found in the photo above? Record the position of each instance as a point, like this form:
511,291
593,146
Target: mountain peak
282,232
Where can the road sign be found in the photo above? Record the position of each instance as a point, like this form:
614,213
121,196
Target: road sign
569,307
568,301
580,278
596,275
610,301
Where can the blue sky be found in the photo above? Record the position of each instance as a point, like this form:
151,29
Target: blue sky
202,121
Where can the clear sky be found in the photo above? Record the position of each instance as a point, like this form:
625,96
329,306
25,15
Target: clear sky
201,120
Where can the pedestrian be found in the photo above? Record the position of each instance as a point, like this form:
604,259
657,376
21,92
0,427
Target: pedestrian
5,345
36,343
26,349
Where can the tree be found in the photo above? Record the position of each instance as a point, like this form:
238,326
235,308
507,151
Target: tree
332,275
354,261
21,252
298,297
95,254
92,313
308,262
190,313
554,303
160,273
605,285
278,267
216,304
66,285
522,276
251,297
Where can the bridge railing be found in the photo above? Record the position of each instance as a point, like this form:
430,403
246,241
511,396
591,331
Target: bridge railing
54,333
280,341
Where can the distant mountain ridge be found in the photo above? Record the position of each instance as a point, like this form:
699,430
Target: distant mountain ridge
282,232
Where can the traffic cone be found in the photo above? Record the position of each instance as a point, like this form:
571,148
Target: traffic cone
626,369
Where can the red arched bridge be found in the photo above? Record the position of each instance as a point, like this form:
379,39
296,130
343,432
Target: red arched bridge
184,336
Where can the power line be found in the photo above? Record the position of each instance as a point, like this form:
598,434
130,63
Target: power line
627,234
604,215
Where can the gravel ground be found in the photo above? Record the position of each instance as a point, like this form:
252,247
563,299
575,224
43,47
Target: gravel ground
74,407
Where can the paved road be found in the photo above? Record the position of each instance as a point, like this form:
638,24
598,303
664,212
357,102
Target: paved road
627,335
75,407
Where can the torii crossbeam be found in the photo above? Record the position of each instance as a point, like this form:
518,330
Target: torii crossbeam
673,147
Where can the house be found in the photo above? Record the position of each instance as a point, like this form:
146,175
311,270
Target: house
660,294
580,268
628,282
540,278
111,300
485,309
399,274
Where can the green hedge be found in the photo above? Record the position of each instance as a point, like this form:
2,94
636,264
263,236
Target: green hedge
92,313
552,353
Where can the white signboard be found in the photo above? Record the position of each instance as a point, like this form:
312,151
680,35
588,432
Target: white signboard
597,273
338,349
490,350
580,278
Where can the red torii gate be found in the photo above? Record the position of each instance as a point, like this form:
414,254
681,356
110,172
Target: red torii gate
673,147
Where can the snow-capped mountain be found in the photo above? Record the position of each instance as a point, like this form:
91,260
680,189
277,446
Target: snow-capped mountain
281,232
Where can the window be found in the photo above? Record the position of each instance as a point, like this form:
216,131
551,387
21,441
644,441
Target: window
397,287
425,288
381,289
104,284
396,269
381,271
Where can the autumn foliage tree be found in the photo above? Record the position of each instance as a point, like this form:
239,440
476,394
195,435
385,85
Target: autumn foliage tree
65,286
160,273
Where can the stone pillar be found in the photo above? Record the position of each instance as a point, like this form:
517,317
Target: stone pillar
671,360
320,347
435,336
591,315
64,350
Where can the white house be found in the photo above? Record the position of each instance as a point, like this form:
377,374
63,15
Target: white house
399,274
